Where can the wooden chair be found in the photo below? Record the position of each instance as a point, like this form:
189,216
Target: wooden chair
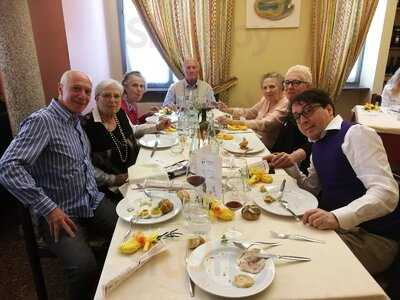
375,98
35,252
36,249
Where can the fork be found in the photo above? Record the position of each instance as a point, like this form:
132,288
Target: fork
245,245
284,257
283,202
294,237
131,223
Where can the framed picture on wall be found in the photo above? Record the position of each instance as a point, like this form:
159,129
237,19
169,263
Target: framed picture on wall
273,13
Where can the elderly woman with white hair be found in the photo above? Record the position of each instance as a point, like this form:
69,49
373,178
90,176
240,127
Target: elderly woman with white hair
113,145
391,91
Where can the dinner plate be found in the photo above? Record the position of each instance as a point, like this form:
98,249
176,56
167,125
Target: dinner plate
154,119
134,200
254,145
299,200
213,266
164,140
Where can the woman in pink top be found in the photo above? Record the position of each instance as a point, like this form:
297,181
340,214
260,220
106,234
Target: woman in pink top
266,116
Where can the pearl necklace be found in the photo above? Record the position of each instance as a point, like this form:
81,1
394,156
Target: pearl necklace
117,142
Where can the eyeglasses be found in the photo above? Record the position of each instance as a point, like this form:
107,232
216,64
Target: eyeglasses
294,82
306,112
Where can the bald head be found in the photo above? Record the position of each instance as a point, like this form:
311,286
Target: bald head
191,70
74,90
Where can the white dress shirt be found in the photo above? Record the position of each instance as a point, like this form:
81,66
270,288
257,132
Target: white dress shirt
364,150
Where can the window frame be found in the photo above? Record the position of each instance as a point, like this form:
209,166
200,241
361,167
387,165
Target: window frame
151,86
356,81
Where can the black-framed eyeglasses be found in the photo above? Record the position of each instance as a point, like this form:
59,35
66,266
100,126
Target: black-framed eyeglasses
306,112
294,82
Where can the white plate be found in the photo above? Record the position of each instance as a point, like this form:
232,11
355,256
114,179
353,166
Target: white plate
254,144
212,267
299,200
154,119
164,140
133,201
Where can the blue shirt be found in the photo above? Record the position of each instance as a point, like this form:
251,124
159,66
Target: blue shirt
47,165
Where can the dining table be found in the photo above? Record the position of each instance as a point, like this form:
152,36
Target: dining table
332,273
386,123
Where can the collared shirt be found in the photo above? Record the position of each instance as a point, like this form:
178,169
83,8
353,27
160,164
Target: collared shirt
364,150
47,165
182,93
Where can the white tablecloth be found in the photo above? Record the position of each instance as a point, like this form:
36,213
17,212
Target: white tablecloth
382,122
333,273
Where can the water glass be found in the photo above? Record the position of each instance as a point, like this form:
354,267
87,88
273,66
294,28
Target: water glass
196,217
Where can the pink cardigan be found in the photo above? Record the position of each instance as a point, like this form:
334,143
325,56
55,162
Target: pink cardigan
264,118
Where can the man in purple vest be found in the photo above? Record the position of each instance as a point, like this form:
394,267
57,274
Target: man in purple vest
349,167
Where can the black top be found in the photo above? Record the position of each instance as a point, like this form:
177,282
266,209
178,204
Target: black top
290,139
105,155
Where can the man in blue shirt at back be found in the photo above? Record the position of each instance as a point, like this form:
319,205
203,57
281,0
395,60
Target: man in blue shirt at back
47,167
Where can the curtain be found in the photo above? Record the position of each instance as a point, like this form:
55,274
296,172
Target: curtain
339,31
193,28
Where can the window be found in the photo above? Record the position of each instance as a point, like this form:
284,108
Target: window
138,51
354,77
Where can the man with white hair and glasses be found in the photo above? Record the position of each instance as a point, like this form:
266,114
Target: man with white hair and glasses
291,145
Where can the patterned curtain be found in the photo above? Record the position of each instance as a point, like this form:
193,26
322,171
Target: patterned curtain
193,28
339,31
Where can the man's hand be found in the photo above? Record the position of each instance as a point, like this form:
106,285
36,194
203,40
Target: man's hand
320,219
280,160
58,220
120,179
163,123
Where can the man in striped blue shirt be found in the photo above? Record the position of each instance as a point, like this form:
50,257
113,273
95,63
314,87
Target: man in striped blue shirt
47,167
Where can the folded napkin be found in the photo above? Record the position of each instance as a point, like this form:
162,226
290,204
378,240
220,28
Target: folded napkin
168,185
113,283
138,173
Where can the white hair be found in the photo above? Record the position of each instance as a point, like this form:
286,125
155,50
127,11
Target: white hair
303,71
102,85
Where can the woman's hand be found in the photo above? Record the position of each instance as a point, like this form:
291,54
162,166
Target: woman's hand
154,109
222,120
120,179
222,106
164,123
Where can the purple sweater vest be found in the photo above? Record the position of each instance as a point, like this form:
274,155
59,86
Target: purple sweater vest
340,184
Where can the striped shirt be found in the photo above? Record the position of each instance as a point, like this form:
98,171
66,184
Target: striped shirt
47,165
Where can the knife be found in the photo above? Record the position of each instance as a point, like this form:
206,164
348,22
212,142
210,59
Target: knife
155,146
189,281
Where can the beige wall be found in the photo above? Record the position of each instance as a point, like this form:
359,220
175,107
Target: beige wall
258,51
